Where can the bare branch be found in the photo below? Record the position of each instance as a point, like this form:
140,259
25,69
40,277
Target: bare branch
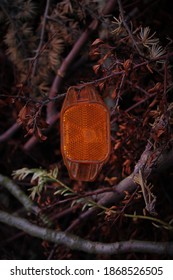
119,91
23,198
41,38
9,132
118,191
18,194
77,243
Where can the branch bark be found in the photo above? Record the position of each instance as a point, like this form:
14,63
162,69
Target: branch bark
87,246
23,198
9,132
18,194
118,191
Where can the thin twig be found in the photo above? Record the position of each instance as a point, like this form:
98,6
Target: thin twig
77,243
41,38
140,102
13,238
126,205
165,88
110,198
34,140
138,88
52,252
64,212
90,193
16,126
127,27
119,91
165,56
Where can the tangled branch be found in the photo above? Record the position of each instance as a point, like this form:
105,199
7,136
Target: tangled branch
109,198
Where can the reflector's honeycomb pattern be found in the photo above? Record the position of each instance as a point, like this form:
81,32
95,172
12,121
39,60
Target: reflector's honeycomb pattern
85,132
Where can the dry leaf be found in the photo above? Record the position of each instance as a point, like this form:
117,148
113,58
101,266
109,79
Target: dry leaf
96,68
112,181
117,145
97,41
127,65
22,114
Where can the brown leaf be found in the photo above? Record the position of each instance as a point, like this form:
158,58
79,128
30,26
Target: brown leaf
127,65
149,68
96,68
101,85
160,132
22,113
157,88
97,41
43,137
112,181
152,104
29,132
114,93
126,167
117,145
40,135
39,132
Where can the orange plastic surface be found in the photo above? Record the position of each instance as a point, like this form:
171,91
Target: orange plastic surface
85,133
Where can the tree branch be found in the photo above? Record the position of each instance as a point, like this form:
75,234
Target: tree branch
18,194
109,198
77,243
128,185
23,198
9,132
41,39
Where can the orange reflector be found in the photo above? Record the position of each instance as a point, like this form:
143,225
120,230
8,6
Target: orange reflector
85,133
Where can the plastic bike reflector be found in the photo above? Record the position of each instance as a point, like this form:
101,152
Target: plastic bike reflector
85,133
